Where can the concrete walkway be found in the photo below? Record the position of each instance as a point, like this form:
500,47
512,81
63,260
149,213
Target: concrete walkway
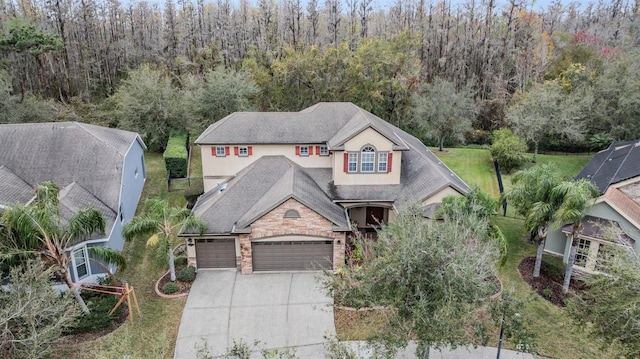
277,309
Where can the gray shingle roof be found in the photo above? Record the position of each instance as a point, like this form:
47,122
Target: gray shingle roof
259,188
87,156
13,189
619,162
74,198
271,180
331,123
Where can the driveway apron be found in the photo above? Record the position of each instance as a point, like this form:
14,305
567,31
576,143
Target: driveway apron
277,309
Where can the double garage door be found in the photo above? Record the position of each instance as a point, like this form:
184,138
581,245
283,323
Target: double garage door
292,255
267,256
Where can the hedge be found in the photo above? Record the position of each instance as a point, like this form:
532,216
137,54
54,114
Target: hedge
176,156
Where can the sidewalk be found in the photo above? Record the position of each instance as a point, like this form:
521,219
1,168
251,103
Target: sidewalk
318,351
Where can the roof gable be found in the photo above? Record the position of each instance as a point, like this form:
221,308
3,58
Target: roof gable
259,188
619,162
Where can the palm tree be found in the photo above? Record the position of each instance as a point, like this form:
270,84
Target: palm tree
162,223
532,196
37,230
577,197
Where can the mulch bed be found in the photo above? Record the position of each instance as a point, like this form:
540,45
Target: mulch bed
184,287
543,282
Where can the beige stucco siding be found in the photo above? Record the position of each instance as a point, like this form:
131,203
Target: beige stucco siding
381,144
439,196
219,169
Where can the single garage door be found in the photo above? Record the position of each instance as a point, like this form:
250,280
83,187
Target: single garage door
292,255
216,253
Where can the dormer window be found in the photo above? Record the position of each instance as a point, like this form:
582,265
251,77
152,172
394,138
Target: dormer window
304,151
324,151
368,159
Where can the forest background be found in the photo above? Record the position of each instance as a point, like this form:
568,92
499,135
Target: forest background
565,76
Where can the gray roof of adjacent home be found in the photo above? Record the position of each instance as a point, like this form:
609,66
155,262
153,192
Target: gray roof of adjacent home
324,123
259,188
619,162
85,161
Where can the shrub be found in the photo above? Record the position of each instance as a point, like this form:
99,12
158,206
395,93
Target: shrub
180,260
187,274
509,150
176,156
553,267
100,304
170,288
547,292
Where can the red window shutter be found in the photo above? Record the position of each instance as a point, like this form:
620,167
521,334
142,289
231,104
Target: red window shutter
318,150
389,161
213,150
346,162
235,150
249,150
310,150
226,150
297,150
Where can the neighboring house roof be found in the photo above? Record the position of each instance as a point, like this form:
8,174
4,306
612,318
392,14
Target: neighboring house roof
85,161
13,189
619,162
596,227
259,188
331,123
625,200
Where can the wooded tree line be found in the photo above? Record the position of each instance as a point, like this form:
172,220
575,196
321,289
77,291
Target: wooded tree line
79,52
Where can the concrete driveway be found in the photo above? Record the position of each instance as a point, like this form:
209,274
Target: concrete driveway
277,309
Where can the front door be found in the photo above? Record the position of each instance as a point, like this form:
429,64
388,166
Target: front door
375,216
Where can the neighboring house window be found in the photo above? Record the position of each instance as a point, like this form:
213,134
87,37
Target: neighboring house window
382,161
135,173
144,174
368,159
323,151
353,162
80,259
243,151
304,150
121,214
582,254
291,213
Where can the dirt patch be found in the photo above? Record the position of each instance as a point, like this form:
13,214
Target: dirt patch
547,287
358,325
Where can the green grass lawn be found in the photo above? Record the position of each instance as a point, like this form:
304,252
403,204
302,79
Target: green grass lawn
558,337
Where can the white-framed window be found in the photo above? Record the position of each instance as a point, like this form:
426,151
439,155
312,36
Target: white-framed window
243,151
324,151
220,151
382,161
304,150
582,255
353,162
368,159
80,263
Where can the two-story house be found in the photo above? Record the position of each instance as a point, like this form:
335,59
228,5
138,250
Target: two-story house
283,189
94,166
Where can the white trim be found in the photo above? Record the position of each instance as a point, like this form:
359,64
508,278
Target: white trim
554,253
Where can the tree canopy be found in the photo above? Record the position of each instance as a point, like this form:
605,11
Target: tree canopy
431,277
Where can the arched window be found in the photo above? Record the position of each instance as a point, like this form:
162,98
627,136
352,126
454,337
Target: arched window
367,159
291,213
